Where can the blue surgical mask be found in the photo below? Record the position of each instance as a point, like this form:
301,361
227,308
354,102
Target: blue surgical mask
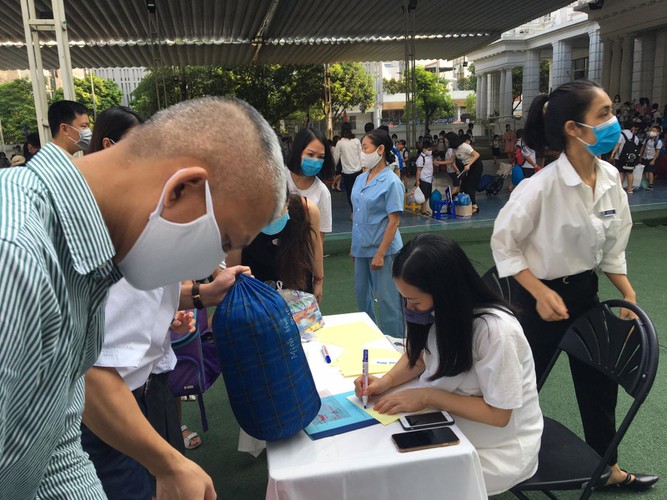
311,166
606,135
277,225
418,317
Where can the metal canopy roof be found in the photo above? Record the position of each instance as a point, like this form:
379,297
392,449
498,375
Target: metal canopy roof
110,33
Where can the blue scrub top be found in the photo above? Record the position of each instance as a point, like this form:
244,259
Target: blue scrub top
371,205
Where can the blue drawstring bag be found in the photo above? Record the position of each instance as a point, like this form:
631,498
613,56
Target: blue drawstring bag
269,383
463,199
434,201
517,175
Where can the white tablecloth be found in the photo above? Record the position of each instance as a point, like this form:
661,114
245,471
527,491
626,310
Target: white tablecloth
365,464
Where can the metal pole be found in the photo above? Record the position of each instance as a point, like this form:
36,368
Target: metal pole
62,40
2,138
30,27
328,104
92,94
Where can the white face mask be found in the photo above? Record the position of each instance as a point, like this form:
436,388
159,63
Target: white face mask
369,160
168,252
653,133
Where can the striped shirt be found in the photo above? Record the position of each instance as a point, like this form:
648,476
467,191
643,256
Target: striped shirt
55,272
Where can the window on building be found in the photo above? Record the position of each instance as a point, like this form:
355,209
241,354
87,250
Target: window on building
580,68
353,122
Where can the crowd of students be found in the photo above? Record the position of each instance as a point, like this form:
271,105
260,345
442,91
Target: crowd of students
77,230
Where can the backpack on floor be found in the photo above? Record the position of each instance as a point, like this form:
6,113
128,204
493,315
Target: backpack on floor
484,182
495,186
197,365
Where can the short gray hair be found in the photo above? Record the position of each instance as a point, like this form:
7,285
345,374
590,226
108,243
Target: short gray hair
226,134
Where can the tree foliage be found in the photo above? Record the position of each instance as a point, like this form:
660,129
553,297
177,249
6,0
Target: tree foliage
471,105
544,76
107,93
393,86
276,91
17,108
431,97
469,82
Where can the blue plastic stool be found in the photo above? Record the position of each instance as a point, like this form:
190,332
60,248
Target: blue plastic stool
448,204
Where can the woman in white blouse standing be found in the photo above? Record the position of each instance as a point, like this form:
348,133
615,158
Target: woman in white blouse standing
348,151
560,227
470,165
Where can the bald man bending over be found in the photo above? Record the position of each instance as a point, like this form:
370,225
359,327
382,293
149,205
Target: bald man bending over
162,206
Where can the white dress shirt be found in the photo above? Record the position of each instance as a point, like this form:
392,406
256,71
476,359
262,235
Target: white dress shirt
137,341
348,151
555,225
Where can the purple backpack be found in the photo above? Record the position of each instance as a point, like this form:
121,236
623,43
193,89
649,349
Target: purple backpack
197,365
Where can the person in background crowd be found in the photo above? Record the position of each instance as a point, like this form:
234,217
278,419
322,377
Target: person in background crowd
530,165
651,150
495,149
629,133
368,127
377,202
424,177
509,140
348,152
338,170
405,167
17,161
288,250
70,126
32,145
554,234
310,160
394,139
70,229
111,126
616,106
4,161
469,164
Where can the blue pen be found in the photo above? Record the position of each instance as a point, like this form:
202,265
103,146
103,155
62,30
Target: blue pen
325,353
364,371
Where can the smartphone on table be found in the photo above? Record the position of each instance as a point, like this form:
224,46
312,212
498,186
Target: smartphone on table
424,439
426,420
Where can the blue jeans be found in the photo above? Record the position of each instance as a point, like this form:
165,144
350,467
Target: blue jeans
379,285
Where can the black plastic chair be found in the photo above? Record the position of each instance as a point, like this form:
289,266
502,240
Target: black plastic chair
504,286
625,351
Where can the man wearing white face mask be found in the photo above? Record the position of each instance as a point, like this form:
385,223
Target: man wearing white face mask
68,229
70,126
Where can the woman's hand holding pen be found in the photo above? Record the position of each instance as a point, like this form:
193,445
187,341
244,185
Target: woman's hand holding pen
376,386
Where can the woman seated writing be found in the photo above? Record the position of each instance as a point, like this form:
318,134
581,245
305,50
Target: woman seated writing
471,358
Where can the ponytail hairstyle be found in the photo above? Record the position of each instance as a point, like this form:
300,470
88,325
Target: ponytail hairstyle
548,114
379,137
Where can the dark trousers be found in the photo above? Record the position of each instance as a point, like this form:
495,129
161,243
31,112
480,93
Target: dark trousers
470,180
596,394
349,179
122,477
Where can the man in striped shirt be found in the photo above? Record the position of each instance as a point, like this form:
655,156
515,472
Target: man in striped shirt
67,227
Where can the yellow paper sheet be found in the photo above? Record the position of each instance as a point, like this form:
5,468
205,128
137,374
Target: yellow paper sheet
383,418
348,336
379,361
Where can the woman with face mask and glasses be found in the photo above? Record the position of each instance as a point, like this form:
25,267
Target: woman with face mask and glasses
377,203
557,231
309,161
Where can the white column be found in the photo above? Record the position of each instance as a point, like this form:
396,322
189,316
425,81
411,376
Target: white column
615,70
595,54
509,92
492,89
606,65
635,90
627,56
562,62
531,79
501,94
660,69
481,97
648,65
